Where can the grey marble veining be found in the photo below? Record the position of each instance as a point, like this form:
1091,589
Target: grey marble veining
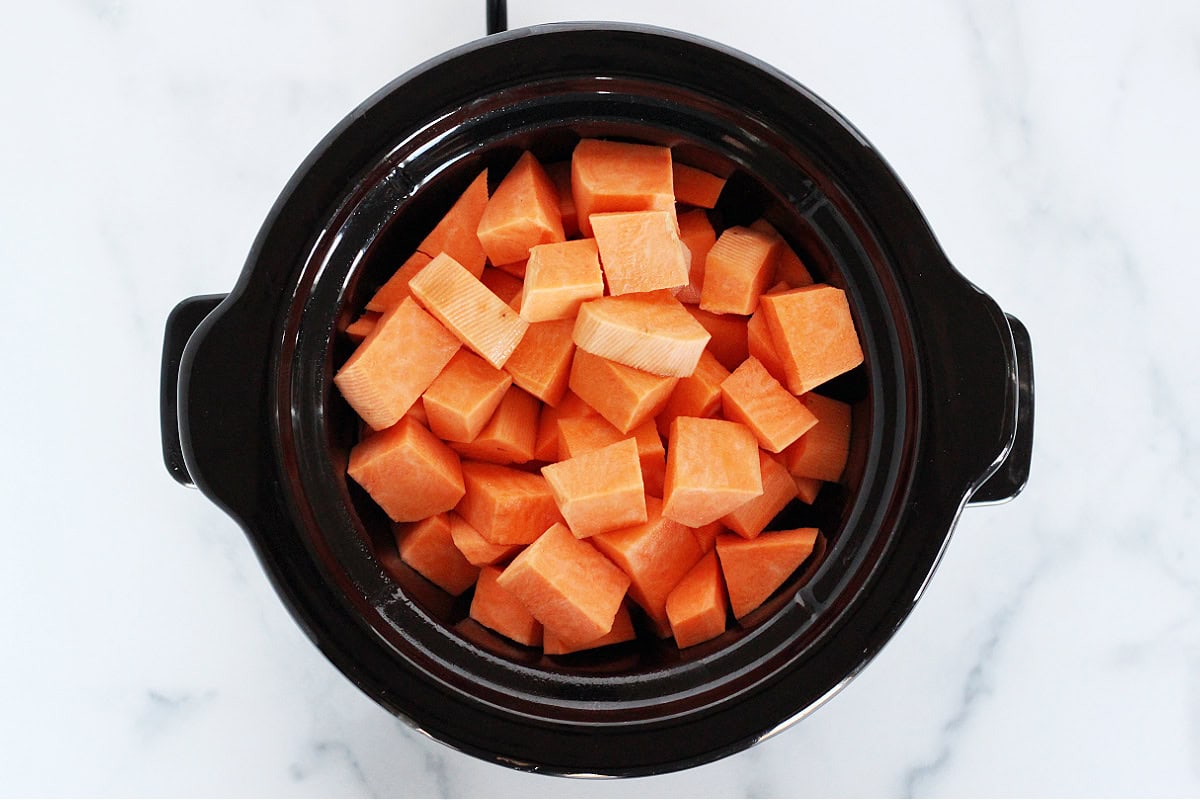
1052,146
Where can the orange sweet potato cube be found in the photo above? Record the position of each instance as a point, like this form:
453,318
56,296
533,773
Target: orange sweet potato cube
750,519
752,397
579,434
567,585
698,236
728,332
599,490
476,549
650,331
622,631
426,546
698,395
560,175
462,399
541,364
640,251
358,329
789,267
506,505
696,187
456,234
496,608
522,213
738,269
624,396
697,606
618,176
712,468
408,471
813,333
395,364
762,347
559,277
509,436
755,568
821,453
453,235
480,319
655,555
395,289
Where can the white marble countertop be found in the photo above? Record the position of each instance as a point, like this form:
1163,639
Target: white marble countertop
1051,146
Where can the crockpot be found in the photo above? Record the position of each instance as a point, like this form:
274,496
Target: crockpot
942,405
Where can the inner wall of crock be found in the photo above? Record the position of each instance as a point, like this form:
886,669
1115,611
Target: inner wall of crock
431,169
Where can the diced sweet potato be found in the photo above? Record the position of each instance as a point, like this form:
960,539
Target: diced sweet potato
395,289
696,607
622,631
789,267
559,277
698,236
760,345
755,568
456,234
728,331
581,356
651,331
358,330
506,505
807,489
618,176
496,608
624,396
462,399
568,585
655,555
752,397
813,333
503,284
560,175
640,251
427,547
583,434
408,471
541,364
395,364
751,518
453,235
706,535
522,213
476,549
712,468
482,321
739,267
509,436
822,452
695,187
599,490
698,395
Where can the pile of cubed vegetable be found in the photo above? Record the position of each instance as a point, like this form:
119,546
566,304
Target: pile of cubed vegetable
577,395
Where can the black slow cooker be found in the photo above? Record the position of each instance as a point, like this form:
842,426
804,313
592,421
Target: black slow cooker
942,405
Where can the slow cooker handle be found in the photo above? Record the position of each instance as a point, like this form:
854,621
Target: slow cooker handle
1010,477
181,324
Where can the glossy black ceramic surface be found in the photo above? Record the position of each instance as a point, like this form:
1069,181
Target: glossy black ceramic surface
263,432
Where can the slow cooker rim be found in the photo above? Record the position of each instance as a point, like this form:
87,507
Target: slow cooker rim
571,679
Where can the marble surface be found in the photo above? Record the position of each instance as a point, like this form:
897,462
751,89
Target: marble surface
1052,147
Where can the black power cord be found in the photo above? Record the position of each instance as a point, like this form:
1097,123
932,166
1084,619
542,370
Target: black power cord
497,16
